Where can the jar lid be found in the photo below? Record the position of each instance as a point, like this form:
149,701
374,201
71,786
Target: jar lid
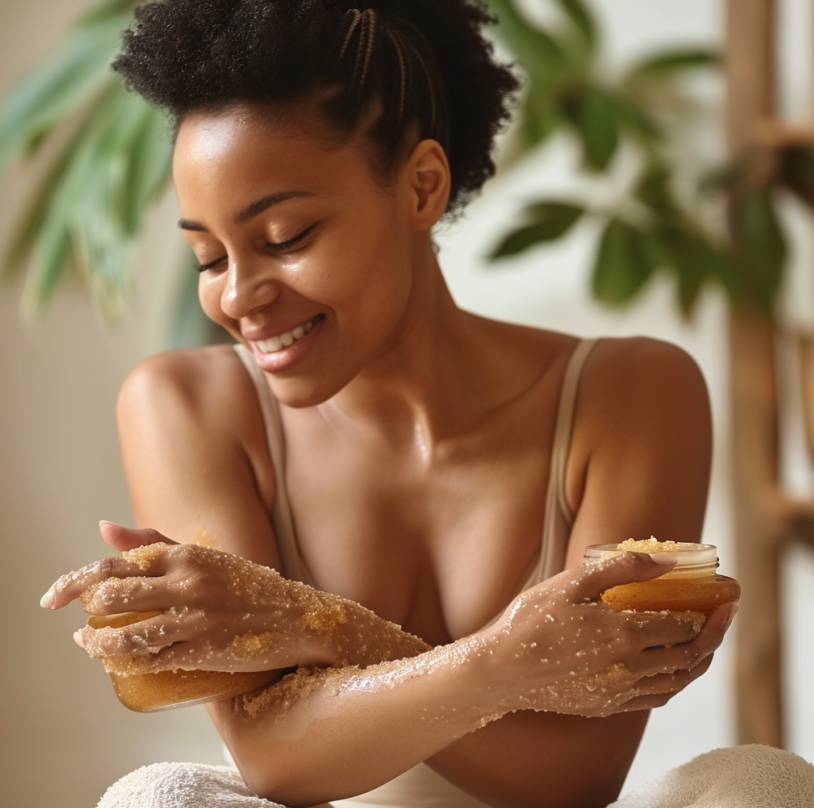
687,553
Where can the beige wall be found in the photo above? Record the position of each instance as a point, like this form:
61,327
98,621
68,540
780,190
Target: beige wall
65,736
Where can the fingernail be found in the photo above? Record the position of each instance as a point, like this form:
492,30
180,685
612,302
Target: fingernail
77,638
47,600
664,558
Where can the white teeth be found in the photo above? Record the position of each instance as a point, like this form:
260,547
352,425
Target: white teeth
281,341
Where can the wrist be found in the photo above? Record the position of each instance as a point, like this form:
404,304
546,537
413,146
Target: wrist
482,681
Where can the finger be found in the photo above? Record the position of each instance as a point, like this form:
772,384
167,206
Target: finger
145,637
656,691
688,654
117,595
125,538
73,584
179,656
661,629
625,568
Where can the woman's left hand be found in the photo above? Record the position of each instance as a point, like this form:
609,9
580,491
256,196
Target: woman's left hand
218,611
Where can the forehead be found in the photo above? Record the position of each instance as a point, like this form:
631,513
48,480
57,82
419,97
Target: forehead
241,149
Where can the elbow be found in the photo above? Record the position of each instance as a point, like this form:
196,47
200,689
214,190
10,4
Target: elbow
282,782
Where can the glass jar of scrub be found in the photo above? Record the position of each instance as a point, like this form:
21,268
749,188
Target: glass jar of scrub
149,692
692,585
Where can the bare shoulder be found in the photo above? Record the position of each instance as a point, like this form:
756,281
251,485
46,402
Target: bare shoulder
193,446
201,384
642,444
639,377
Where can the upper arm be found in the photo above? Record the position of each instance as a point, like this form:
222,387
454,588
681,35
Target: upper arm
189,430
642,447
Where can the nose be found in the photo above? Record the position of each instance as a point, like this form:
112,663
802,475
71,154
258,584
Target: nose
248,288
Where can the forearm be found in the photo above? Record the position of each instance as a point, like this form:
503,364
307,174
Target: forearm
391,715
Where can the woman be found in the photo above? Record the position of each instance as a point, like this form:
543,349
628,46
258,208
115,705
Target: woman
317,145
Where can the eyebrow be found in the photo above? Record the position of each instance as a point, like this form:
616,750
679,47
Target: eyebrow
250,211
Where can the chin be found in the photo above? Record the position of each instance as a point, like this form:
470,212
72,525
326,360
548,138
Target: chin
302,392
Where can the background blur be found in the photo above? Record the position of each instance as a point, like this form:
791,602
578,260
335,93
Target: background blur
66,736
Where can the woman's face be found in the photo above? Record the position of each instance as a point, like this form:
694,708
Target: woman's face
306,258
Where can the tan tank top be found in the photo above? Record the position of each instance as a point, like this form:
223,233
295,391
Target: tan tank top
421,787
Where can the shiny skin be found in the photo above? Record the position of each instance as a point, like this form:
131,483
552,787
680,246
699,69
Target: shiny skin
418,442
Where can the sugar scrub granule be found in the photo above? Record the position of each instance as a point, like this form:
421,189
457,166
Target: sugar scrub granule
251,645
696,619
292,688
203,539
571,695
651,545
324,615
145,556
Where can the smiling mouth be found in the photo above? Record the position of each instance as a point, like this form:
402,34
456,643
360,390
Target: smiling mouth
288,338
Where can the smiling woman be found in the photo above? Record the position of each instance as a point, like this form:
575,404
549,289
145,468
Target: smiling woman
431,475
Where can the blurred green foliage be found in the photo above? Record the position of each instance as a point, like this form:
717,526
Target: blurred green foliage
110,158
650,227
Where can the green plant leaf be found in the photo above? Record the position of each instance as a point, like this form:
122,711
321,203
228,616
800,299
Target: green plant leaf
760,248
57,240
78,70
624,263
637,122
585,28
550,221
688,256
539,52
667,64
107,9
594,117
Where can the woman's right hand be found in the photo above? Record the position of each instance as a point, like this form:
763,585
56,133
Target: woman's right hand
559,648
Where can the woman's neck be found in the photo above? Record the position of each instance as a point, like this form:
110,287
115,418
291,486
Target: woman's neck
422,388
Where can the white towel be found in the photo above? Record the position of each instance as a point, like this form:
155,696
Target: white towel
751,776
742,777
183,785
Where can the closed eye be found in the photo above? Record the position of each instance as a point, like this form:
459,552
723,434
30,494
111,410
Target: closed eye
283,246
279,247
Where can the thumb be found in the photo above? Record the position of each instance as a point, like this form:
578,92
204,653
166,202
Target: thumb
126,538
625,568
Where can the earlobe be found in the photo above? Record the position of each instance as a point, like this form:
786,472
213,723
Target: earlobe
430,182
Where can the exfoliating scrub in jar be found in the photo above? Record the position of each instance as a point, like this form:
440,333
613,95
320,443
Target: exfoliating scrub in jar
149,692
692,585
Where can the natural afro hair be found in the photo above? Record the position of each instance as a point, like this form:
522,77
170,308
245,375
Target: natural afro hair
419,62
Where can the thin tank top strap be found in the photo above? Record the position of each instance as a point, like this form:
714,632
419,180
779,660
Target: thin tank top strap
559,518
282,521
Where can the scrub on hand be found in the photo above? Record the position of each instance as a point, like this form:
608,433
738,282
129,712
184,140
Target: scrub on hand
149,692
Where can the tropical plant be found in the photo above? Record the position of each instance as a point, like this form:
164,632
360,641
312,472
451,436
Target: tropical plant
651,227
112,162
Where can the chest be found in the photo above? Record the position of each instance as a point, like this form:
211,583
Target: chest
438,547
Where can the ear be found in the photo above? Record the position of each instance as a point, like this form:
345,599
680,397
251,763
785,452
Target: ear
429,177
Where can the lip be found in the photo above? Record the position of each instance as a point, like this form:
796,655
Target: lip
287,357
269,331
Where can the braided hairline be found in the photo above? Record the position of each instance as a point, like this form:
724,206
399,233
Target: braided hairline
357,15
366,22
402,72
